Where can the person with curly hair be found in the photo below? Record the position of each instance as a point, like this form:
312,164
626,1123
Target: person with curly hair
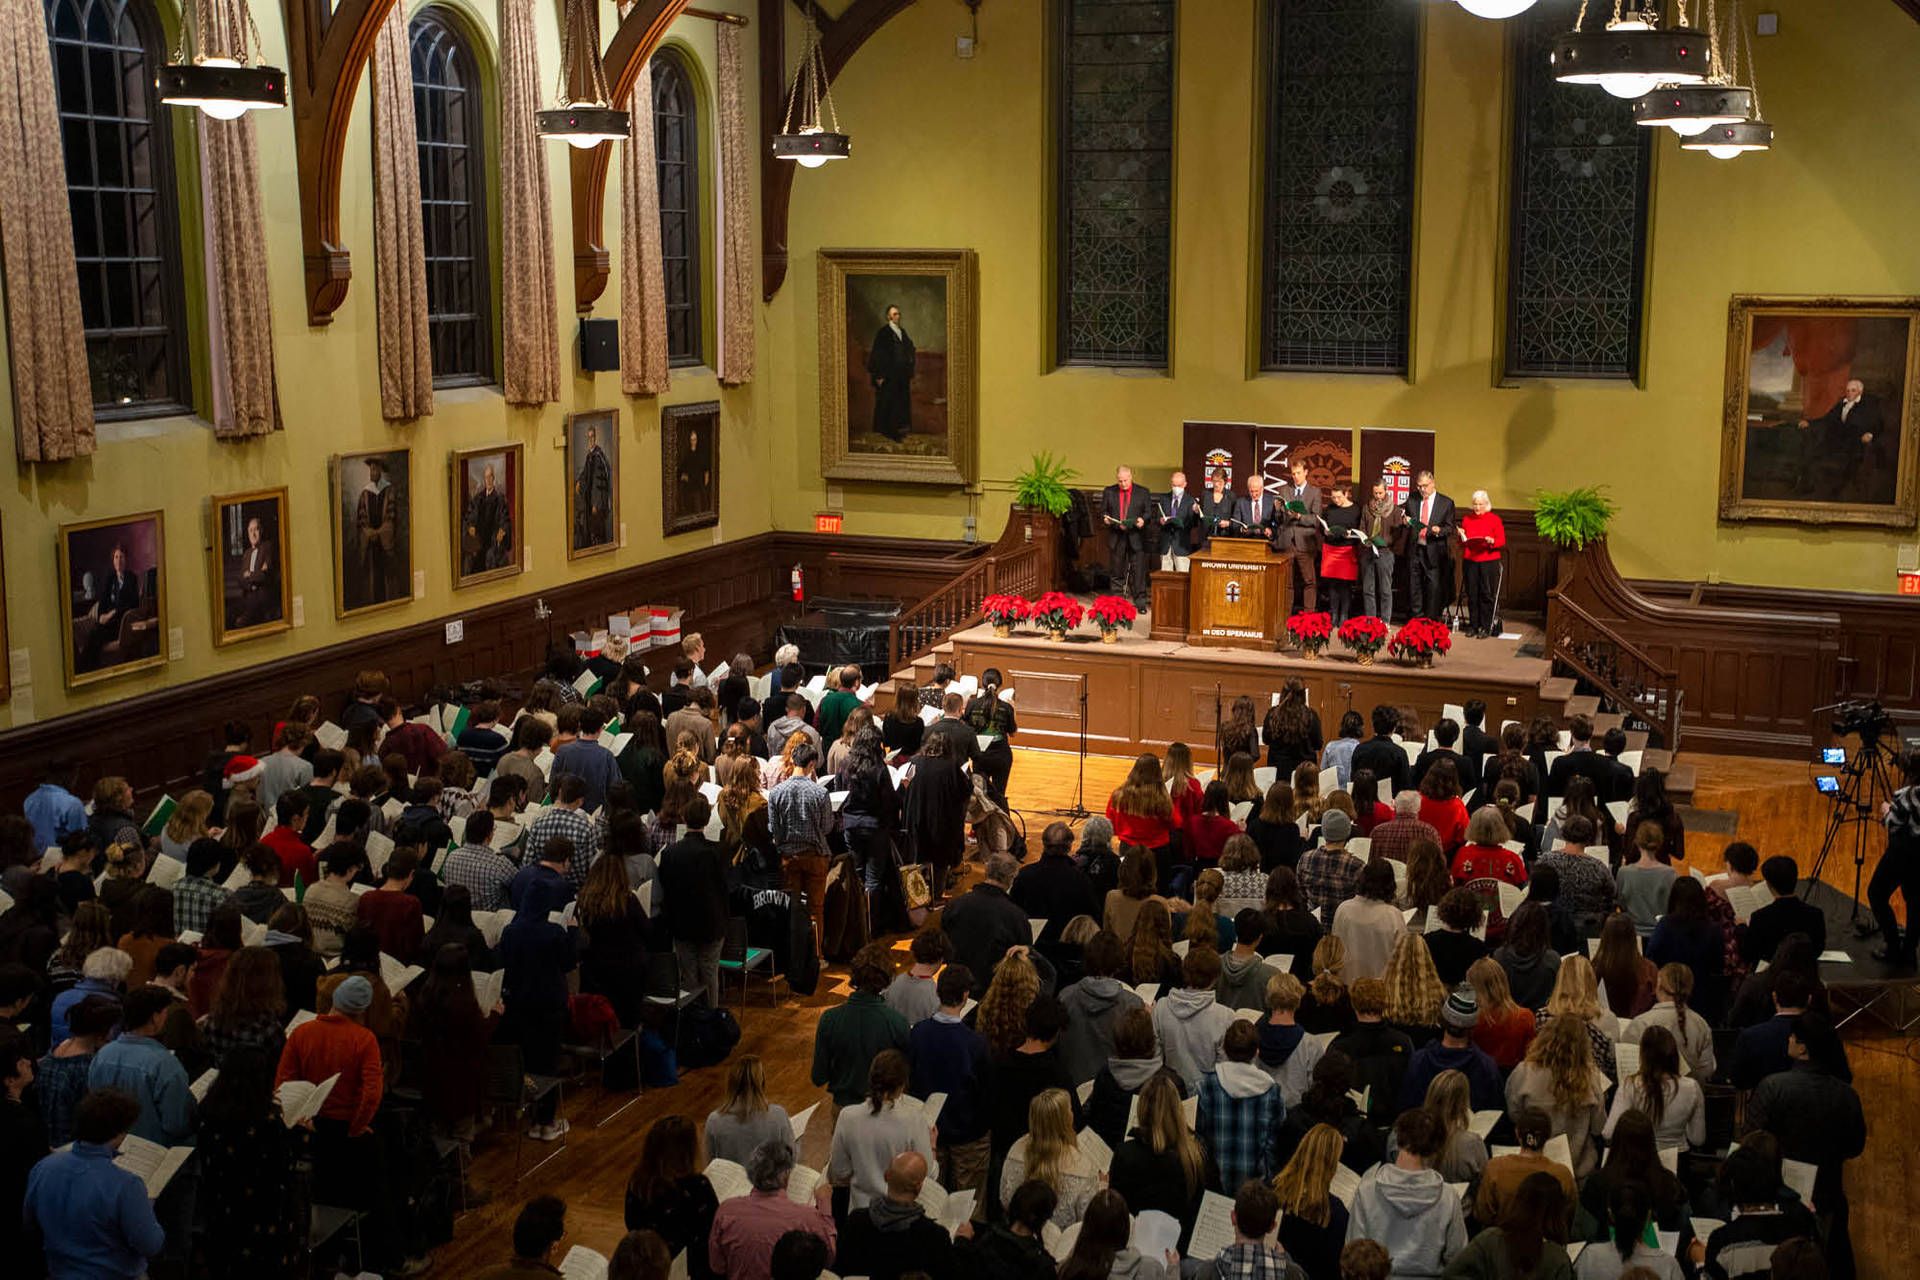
1415,994
848,1037
1557,1077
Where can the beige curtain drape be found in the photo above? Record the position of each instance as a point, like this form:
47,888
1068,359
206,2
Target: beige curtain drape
643,278
52,394
529,304
735,326
399,247
246,401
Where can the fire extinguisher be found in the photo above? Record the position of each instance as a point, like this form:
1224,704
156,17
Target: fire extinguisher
799,586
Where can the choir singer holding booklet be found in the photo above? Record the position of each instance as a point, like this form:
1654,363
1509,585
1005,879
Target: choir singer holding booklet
1482,538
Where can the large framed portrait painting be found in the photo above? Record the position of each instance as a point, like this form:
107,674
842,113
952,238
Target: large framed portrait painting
593,482
251,579
1822,415
115,575
689,467
372,530
484,499
898,341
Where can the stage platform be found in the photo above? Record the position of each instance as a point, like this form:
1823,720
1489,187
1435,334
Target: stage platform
1861,984
1142,694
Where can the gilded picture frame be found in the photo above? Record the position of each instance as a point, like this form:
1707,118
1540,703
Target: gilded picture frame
372,568
487,524
893,406
689,467
94,556
250,555
1820,423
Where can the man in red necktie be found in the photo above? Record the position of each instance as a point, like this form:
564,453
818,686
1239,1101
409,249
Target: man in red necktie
1125,507
1431,517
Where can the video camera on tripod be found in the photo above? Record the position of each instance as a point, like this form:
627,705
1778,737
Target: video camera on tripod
1862,716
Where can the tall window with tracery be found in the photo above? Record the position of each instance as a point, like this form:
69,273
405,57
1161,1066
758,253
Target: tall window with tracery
676,132
1579,192
1114,245
449,114
1342,108
118,144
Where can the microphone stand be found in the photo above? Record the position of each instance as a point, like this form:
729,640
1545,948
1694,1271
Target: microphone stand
1218,763
1078,811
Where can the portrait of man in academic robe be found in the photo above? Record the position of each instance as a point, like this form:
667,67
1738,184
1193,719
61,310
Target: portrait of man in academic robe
486,507
890,366
374,551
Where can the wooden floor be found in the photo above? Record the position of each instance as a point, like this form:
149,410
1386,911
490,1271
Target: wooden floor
1779,813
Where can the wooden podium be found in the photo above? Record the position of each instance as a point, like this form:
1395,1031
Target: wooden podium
1239,595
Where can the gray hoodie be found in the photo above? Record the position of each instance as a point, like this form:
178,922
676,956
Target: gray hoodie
1093,1005
1413,1214
1190,1025
1128,1264
1243,981
1132,1074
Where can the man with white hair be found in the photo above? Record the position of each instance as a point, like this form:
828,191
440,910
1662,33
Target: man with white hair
746,1228
1430,519
984,922
1482,538
1396,836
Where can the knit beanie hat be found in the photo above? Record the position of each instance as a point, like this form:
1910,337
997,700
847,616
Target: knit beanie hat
1460,1013
353,995
1335,826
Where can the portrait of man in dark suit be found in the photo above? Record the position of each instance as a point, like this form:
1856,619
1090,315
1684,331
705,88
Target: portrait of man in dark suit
1841,451
689,467
591,470
250,563
113,574
487,538
890,366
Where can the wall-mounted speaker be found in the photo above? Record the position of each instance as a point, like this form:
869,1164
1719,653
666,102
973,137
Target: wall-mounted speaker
599,345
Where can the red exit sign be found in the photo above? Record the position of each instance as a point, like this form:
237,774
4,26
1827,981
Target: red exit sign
827,521
1910,584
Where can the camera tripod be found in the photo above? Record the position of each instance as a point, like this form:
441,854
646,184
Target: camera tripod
1866,782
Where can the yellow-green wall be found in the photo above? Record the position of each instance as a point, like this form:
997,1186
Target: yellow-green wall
329,399
951,153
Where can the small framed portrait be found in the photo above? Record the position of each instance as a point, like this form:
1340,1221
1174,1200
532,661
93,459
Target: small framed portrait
484,500
593,482
1821,423
372,530
252,578
115,575
689,467
898,340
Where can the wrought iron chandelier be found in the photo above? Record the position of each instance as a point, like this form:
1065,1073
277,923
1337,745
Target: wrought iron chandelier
224,79
1725,139
588,117
1635,54
803,138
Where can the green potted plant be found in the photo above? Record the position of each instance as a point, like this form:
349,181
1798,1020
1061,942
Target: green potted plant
1573,518
1043,486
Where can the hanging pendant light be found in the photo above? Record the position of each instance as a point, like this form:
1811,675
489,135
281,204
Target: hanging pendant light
1688,109
222,80
1497,9
1634,55
1724,140
802,137
588,117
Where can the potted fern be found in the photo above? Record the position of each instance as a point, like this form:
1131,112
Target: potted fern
1044,485
1574,518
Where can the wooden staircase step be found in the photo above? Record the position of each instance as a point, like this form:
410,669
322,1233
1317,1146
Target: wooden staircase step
1583,704
1605,720
1637,739
1556,688
1656,758
1680,783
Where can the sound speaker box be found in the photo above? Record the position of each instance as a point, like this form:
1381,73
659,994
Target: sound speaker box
599,345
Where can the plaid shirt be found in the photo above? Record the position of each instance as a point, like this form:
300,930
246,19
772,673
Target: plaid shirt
575,826
194,899
483,872
1241,1134
263,1033
1248,1260
566,693
61,1083
1328,877
800,816
1393,838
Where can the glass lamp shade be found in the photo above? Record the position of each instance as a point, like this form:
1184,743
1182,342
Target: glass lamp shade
811,146
222,87
1692,109
1631,63
1497,9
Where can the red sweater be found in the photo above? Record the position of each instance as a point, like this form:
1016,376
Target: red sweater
333,1043
1479,861
295,855
1187,802
1505,1041
1448,817
395,918
1148,833
1207,835
1482,526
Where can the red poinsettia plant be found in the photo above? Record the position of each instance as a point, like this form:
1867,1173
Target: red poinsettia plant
1311,630
1057,611
1004,611
1110,613
1364,634
1421,638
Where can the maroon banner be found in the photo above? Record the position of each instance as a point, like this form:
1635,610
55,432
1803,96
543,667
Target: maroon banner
1207,447
1392,455
1327,451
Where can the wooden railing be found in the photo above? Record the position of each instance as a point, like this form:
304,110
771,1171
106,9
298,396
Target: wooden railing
1009,569
1637,686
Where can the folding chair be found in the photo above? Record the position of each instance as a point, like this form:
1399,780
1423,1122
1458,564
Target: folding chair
325,1221
665,991
738,957
613,1041
510,1088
